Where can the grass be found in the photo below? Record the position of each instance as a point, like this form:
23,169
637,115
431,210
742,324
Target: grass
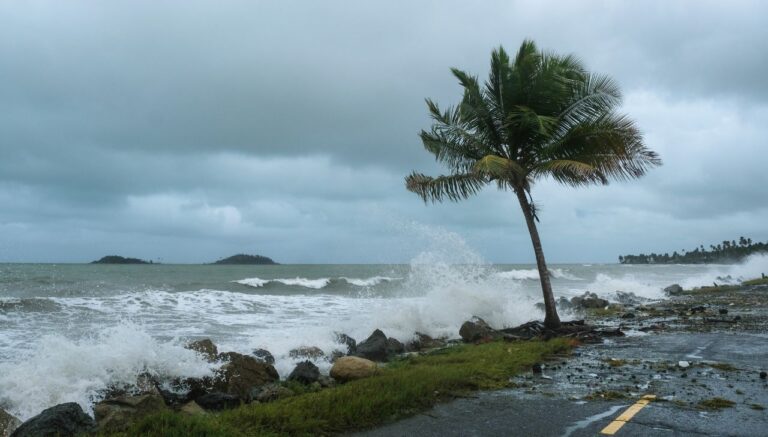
757,281
725,367
403,388
716,404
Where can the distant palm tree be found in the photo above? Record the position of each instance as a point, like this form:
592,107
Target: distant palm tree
538,115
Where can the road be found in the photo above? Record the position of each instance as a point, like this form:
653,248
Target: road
721,365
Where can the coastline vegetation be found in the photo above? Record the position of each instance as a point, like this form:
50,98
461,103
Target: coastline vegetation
725,252
402,388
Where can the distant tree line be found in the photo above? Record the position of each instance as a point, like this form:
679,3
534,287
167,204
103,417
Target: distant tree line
727,251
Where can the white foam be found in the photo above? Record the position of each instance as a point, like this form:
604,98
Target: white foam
369,282
533,274
315,284
57,369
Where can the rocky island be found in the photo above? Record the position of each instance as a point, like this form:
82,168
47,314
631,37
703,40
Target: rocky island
115,259
242,259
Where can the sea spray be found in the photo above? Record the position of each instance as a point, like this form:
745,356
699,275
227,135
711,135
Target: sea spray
57,369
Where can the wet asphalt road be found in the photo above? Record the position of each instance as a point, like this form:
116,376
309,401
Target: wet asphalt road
555,405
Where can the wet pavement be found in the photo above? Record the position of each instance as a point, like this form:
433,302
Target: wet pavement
580,395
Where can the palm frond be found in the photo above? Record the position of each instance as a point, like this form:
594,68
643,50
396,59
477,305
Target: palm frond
497,167
452,187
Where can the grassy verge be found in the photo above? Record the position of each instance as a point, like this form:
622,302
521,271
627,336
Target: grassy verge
401,389
758,281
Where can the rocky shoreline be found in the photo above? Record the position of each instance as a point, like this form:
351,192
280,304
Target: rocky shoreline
252,378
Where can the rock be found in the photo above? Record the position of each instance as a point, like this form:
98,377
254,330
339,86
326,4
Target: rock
394,347
475,329
628,298
628,316
588,300
723,311
119,413
8,423
271,392
307,352
348,341
305,372
192,408
673,289
352,368
423,342
698,309
326,381
763,375
63,420
537,369
335,355
736,318
683,364
264,356
218,401
563,304
374,347
241,374
191,387
204,347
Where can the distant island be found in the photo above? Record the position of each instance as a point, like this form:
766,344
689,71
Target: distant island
246,259
114,259
725,252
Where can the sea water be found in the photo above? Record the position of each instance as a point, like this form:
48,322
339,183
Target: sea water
69,331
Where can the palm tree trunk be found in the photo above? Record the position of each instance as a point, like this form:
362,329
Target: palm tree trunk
551,319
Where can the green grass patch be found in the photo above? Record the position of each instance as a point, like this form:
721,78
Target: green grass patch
716,404
758,281
403,388
725,367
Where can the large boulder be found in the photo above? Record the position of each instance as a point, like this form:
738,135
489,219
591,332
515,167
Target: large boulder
241,374
305,372
63,420
8,423
307,352
218,401
347,341
352,368
192,408
264,356
588,300
475,330
206,348
673,289
394,347
422,342
374,347
119,413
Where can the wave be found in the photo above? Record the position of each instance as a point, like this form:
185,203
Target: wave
58,369
533,274
316,284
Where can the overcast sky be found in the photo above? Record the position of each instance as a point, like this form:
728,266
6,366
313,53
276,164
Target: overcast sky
185,131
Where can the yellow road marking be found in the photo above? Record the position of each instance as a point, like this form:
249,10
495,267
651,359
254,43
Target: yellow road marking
627,415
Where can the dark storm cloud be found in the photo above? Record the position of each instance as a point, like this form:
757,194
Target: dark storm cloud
180,128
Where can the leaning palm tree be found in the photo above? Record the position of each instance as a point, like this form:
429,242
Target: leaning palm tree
538,115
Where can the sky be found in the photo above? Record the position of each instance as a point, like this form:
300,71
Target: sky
186,131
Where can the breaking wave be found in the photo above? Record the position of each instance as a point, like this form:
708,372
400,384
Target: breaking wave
316,284
58,369
533,274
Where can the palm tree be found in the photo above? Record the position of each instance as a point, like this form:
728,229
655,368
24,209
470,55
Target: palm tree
538,115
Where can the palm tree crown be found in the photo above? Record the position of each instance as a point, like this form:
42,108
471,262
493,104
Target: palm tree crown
538,115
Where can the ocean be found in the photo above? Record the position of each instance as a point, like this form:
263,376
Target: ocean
68,331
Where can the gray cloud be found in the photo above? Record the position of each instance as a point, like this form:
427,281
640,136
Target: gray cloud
181,131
